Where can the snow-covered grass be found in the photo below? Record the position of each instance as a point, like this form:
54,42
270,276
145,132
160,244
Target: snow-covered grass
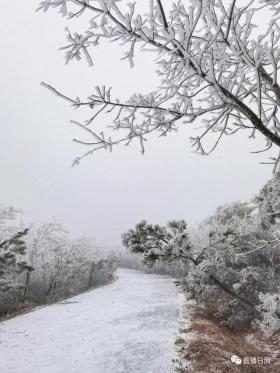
184,333
203,345
127,326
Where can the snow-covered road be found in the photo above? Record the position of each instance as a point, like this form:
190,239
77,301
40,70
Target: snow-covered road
128,326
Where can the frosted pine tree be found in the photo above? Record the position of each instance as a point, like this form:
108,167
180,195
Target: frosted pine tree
13,248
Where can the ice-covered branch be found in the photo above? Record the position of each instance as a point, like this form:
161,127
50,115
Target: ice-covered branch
208,58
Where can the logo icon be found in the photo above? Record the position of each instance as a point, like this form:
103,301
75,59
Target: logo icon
236,359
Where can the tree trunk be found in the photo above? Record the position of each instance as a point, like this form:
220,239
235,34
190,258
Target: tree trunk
91,274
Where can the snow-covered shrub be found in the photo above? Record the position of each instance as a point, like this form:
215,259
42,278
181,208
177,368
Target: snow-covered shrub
233,269
243,257
238,216
269,309
268,201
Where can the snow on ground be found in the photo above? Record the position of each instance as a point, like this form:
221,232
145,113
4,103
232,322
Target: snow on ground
184,335
128,326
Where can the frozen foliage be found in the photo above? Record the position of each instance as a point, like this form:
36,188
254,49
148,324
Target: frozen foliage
11,264
64,266
6,214
12,251
218,70
156,243
238,215
126,259
242,269
245,259
268,201
54,265
270,310
232,260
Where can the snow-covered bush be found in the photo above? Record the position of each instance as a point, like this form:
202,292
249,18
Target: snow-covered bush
269,309
237,215
268,201
243,257
231,278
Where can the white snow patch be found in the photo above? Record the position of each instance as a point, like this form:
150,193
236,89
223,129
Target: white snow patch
183,333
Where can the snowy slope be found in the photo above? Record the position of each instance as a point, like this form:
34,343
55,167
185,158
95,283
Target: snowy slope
127,326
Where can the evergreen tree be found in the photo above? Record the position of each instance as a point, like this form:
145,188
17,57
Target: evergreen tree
11,264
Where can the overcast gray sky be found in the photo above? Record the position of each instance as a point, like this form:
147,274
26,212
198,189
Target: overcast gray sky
108,192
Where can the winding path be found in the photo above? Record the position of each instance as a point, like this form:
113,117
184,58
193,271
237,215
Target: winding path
128,326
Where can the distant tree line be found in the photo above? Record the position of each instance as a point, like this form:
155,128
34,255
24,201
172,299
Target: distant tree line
42,264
